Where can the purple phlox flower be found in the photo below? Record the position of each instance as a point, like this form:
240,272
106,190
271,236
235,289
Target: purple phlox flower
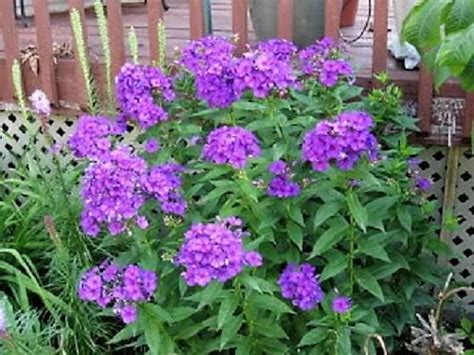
164,182
141,90
112,193
281,49
342,141
91,138
215,251
341,304
231,145
262,73
299,283
151,145
423,184
55,148
312,58
123,287
281,185
211,61
40,103
333,71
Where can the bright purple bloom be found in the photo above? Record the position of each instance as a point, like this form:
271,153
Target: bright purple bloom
281,49
40,103
423,184
263,73
91,138
151,145
231,145
312,58
163,182
341,304
342,141
139,88
120,287
282,187
215,251
333,71
111,193
278,168
299,283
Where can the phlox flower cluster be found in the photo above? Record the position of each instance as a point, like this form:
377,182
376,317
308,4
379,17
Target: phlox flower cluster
40,103
231,145
281,49
263,73
342,141
299,283
111,193
163,182
333,71
215,251
121,287
91,139
138,88
281,184
211,61
341,304
312,58
151,145
420,183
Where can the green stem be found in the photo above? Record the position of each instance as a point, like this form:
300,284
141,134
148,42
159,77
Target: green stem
351,257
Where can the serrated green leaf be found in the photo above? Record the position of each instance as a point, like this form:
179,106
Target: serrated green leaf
366,281
314,336
295,233
357,211
334,267
326,211
226,309
328,239
270,303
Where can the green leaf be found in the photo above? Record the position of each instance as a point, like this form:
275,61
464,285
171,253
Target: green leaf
328,239
257,284
378,209
248,106
270,303
335,266
230,330
296,215
270,329
357,211
404,217
130,331
374,249
152,327
314,336
366,281
344,341
457,50
227,308
460,15
326,211
180,313
295,232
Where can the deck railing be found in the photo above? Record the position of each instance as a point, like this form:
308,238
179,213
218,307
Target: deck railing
62,80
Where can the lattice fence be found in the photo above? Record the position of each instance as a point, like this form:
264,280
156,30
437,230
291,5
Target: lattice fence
14,138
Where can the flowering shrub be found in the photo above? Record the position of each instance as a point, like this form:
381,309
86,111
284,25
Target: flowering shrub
286,220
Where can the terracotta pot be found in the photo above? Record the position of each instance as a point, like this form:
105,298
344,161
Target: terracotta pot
349,13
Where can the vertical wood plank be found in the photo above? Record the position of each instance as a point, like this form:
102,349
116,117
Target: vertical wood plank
155,14
196,19
239,24
285,19
379,56
10,38
425,98
80,84
45,50
332,18
468,123
116,34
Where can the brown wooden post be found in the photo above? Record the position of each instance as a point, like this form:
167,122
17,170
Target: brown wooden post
79,6
379,56
285,19
196,19
239,24
468,123
10,38
116,33
155,14
332,18
45,50
425,99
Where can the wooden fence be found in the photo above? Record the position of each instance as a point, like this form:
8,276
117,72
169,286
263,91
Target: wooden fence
62,81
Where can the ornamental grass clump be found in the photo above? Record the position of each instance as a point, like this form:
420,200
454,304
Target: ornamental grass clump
279,139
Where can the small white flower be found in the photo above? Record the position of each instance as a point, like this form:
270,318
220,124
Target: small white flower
40,103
